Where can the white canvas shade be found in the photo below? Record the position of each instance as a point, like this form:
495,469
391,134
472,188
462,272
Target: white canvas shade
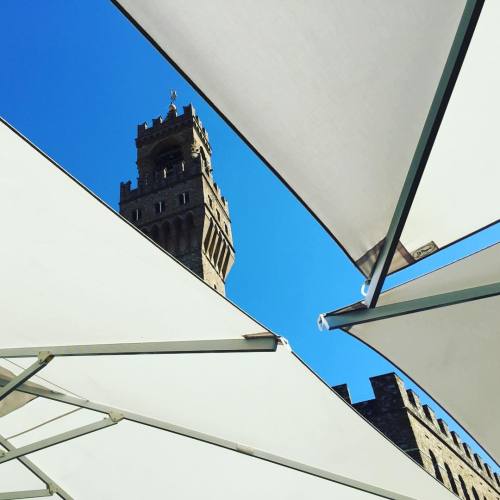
293,416
334,96
80,275
141,462
59,242
458,193
452,351
15,477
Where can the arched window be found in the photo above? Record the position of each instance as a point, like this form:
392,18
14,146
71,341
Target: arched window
437,472
222,256
451,479
208,236
168,156
215,237
474,492
216,254
136,214
159,207
184,198
464,488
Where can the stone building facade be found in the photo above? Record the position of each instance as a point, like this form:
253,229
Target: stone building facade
413,427
176,202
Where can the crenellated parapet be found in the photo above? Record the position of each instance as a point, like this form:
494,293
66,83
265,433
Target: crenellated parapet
147,134
176,201
414,427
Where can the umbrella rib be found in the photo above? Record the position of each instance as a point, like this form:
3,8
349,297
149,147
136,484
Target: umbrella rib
52,486
347,319
44,358
113,419
264,343
432,123
217,441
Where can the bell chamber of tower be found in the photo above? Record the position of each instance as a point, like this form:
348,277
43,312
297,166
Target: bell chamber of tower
176,202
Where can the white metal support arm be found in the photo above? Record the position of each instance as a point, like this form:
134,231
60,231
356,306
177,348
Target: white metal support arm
113,419
217,441
44,358
329,321
14,495
443,93
51,485
259,343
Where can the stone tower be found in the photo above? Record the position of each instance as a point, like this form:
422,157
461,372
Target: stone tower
177,202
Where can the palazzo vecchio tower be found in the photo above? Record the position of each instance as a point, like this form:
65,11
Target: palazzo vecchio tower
176,202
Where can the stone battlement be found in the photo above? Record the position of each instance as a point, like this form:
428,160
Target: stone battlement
159,126
179,173
400,415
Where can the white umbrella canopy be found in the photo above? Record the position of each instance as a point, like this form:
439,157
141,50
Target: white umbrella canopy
341,101
80,275
335,95
59,237
344,101
451,351
268,403
131,461
458,194
15,477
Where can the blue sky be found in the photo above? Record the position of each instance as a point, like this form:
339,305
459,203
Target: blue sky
77,78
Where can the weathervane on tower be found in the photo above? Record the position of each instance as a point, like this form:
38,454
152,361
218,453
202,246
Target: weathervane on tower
172,109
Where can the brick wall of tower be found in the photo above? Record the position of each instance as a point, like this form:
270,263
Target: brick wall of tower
174,158
398,413
387,411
